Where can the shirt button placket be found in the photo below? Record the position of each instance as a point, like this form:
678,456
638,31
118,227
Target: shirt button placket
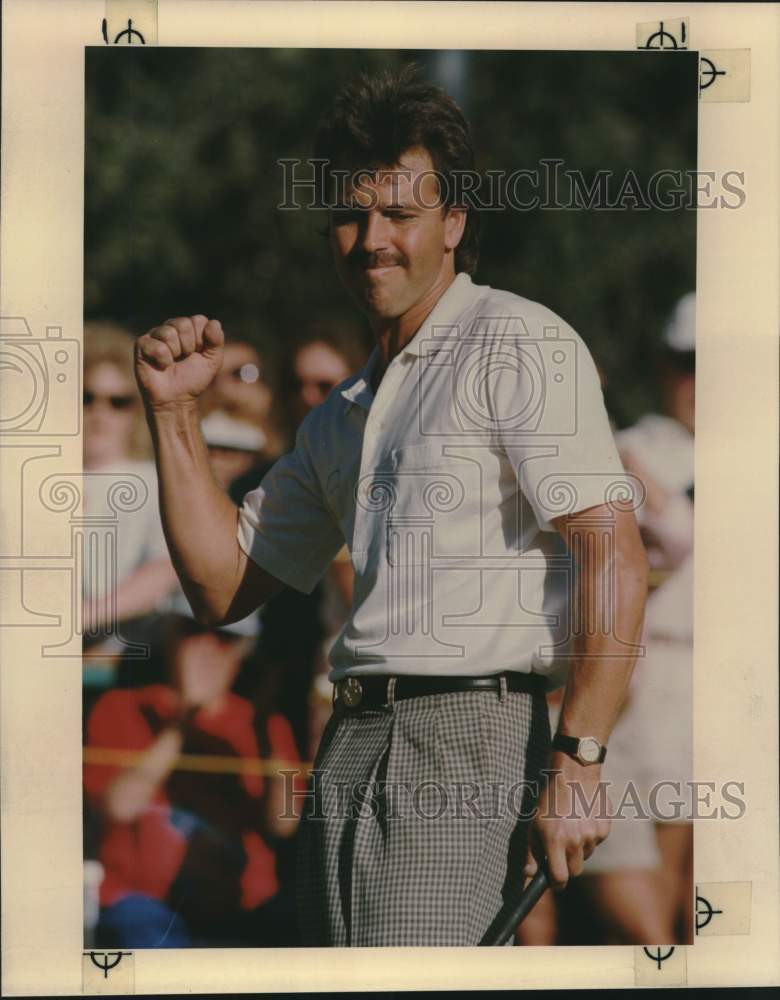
372,433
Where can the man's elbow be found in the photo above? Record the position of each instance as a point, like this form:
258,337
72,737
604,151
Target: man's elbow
208,610
217,613
213,615
207,618
241,592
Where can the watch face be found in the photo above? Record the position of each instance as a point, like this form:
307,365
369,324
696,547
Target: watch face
589,750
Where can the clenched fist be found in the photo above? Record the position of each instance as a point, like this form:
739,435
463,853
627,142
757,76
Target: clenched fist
176,361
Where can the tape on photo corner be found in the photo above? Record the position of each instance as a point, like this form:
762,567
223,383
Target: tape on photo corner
660,965
130,22
724,75
108,973
723,908
663,36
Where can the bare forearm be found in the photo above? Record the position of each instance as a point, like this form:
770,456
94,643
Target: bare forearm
198,518
174,364
129,795
613,599
606,622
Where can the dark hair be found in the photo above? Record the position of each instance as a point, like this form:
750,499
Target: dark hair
345,339
377,118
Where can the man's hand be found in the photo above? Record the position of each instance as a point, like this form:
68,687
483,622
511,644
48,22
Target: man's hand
175,362
572,819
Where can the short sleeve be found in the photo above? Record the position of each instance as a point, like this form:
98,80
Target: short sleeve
284,525
564,453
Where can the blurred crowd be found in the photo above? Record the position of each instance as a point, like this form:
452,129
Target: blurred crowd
193,746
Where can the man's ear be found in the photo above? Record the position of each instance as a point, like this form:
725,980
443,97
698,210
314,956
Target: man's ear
454,226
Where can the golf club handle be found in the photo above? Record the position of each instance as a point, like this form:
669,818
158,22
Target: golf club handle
531,895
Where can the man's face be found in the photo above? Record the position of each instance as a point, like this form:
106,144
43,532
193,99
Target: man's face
393,241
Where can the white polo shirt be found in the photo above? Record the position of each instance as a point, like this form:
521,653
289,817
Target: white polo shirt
489,424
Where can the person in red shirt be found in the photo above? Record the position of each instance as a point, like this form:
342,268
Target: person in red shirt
187,854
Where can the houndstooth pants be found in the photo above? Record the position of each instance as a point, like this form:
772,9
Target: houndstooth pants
417,828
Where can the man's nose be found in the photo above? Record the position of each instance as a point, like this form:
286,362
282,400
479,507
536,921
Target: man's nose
376,232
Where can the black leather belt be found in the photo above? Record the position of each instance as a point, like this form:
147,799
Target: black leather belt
376,692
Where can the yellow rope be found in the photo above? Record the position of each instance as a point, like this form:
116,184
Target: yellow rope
203,763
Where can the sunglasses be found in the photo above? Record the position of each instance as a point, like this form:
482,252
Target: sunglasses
115,402
248,373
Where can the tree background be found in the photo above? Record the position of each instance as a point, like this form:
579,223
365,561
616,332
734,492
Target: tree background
182,183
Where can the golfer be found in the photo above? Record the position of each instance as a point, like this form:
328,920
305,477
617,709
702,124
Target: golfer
470,469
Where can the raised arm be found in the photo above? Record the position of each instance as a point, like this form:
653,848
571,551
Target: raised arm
174,363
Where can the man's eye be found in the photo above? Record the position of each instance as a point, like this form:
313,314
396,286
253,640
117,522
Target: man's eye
399,215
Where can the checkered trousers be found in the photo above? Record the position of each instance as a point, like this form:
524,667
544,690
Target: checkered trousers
415,833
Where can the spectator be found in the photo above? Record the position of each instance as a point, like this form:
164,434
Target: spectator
641,877
241,390
659,447
188,857
116,444
235,446
298,628
322,358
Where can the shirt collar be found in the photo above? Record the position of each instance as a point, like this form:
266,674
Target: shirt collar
442,322
358,388
439,326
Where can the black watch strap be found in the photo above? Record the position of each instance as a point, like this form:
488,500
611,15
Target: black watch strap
571,746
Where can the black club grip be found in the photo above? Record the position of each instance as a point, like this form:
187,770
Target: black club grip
502,929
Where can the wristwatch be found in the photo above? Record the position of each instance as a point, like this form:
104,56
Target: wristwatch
587,750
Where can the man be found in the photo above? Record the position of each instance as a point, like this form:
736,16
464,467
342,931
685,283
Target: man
441,465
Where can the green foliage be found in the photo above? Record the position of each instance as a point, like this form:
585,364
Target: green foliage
182,183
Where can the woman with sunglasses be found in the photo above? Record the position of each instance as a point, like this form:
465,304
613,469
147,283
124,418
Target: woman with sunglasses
116,448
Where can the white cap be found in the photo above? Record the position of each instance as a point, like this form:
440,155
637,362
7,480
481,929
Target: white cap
220,430
680,329
249,626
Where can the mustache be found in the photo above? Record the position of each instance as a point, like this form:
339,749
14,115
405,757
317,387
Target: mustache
361,259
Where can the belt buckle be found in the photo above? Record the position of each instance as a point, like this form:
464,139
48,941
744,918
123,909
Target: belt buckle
349,692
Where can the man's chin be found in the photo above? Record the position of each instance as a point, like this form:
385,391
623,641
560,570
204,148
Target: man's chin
377,303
